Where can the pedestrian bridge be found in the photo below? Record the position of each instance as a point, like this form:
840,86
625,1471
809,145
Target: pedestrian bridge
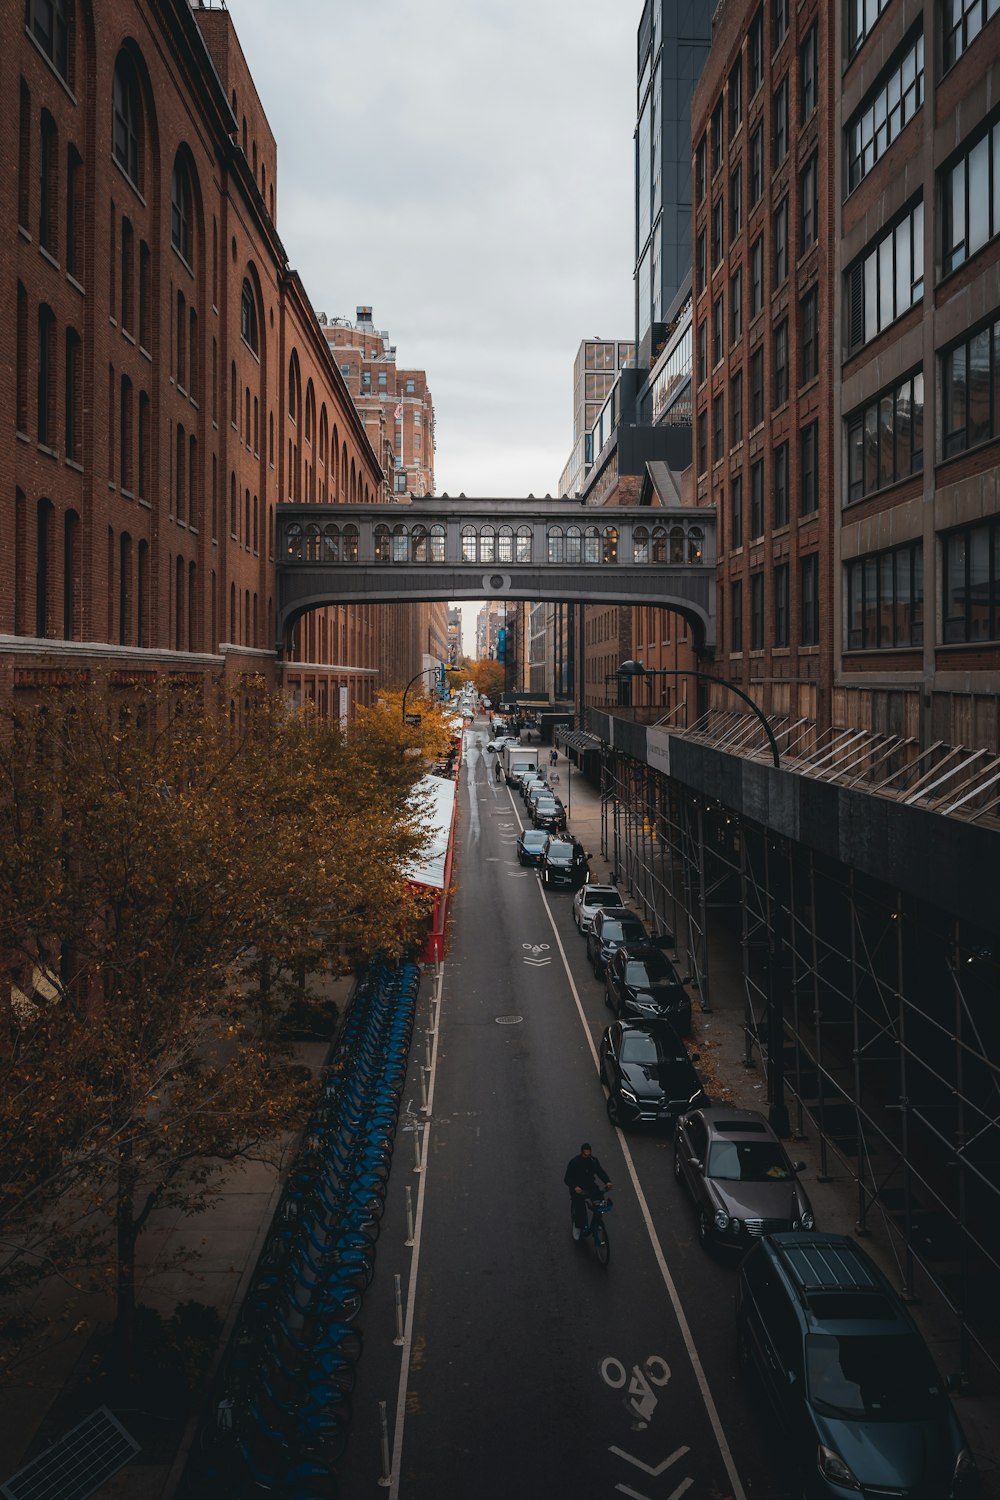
435,547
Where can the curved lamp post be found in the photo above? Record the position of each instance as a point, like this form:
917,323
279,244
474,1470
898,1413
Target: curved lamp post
422,673
632,669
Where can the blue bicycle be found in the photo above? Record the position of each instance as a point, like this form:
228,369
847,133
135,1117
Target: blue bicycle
597,1230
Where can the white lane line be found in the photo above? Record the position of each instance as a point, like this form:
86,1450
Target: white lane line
699,1372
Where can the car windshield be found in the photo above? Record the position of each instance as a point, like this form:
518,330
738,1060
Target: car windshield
534,839
881,1377
649,971
618,930
600,895
559,849
749,1161
649,1047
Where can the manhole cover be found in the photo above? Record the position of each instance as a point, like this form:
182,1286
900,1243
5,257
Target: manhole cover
509,1020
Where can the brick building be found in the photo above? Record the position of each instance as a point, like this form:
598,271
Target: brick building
168,381
764,278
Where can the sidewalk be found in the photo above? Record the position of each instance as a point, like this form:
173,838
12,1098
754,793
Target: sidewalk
719,1038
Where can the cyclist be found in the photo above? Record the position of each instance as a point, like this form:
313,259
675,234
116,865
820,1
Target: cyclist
583,1174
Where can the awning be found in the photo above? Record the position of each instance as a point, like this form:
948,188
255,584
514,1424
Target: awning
437,793
578,739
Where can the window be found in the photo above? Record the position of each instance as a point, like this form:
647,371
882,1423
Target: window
781,242
736,96
809,199
74,213
702,442
809,469
699,169
736,203
781,605
718,143
970,565
885,439
756,388
701,257
780,130
180,211
50,23
887,279
756,165
756,500
781,362
718,233
736,408
736,615
755,51
736,513
248,317
779,19
126,121
142,467
894,101
970,379
970,197
756,276
885,599
48,174
861,17
702,351
809,600
736,307
809,334
808,69
718,331
126,310
24,159
46,377
73,426
756,611
780,483
718,427
963,21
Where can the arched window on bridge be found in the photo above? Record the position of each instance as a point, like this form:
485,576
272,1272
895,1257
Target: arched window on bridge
574,544
610,544
640,545
677,544
470,540
437,544
312,543
696,544
419,544
400,543
331,544
349,542
383,543
591,545
505,544
293,542
487,544
659,544
557,544
524,539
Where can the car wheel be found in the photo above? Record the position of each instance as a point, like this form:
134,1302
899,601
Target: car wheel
614,1114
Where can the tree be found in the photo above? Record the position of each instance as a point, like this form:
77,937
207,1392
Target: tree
488,677
157,871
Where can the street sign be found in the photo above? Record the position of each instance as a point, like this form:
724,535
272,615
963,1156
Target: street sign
413,719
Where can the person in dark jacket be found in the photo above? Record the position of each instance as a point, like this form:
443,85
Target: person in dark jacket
584,1175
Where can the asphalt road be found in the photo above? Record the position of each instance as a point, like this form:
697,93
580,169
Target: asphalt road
525,1368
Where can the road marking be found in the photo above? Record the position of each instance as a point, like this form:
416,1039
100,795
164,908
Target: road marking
536,963
654,1473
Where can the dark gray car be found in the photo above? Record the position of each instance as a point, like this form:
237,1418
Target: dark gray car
742,1183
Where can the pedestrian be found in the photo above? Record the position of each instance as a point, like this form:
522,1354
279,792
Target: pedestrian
583,1174
553,757
498,773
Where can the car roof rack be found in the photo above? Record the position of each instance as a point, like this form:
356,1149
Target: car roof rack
830,1264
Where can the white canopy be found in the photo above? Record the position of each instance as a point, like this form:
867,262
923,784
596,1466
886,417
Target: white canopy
438,796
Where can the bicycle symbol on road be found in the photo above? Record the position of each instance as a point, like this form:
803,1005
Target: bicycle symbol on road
642,1402
535,955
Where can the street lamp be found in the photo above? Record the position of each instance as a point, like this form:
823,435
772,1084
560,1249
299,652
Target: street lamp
415,718
631,669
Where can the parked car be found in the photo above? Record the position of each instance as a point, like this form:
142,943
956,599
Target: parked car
738,1175
533,791
640,980
565,862
550,814
649,1075
587,900
531,846
608,931
832,1350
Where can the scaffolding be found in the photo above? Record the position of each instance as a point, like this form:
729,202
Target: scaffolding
874,1015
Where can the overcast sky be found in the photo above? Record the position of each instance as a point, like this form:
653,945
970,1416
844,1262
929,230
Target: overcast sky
465,168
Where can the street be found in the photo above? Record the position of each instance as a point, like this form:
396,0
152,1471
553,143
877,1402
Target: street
525,1365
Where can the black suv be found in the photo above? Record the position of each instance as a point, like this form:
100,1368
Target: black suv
564,862
649,1074
609,929
859,1404
640,981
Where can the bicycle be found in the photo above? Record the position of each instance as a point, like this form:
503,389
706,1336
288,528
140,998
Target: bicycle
596,1229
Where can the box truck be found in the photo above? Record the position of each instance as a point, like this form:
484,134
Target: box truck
518,758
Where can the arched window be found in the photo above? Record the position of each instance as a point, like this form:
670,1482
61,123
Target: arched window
591,545
695,544
487,544
610,544
349,538
524,541
248,317
51,24
640,545
383,543
331,543
293,542
505,544
181,210
400,543
310,413
557,545
312,543
470,552
419,544
343,473
659,544
438,543
574,544
676,544
294,390
126,120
